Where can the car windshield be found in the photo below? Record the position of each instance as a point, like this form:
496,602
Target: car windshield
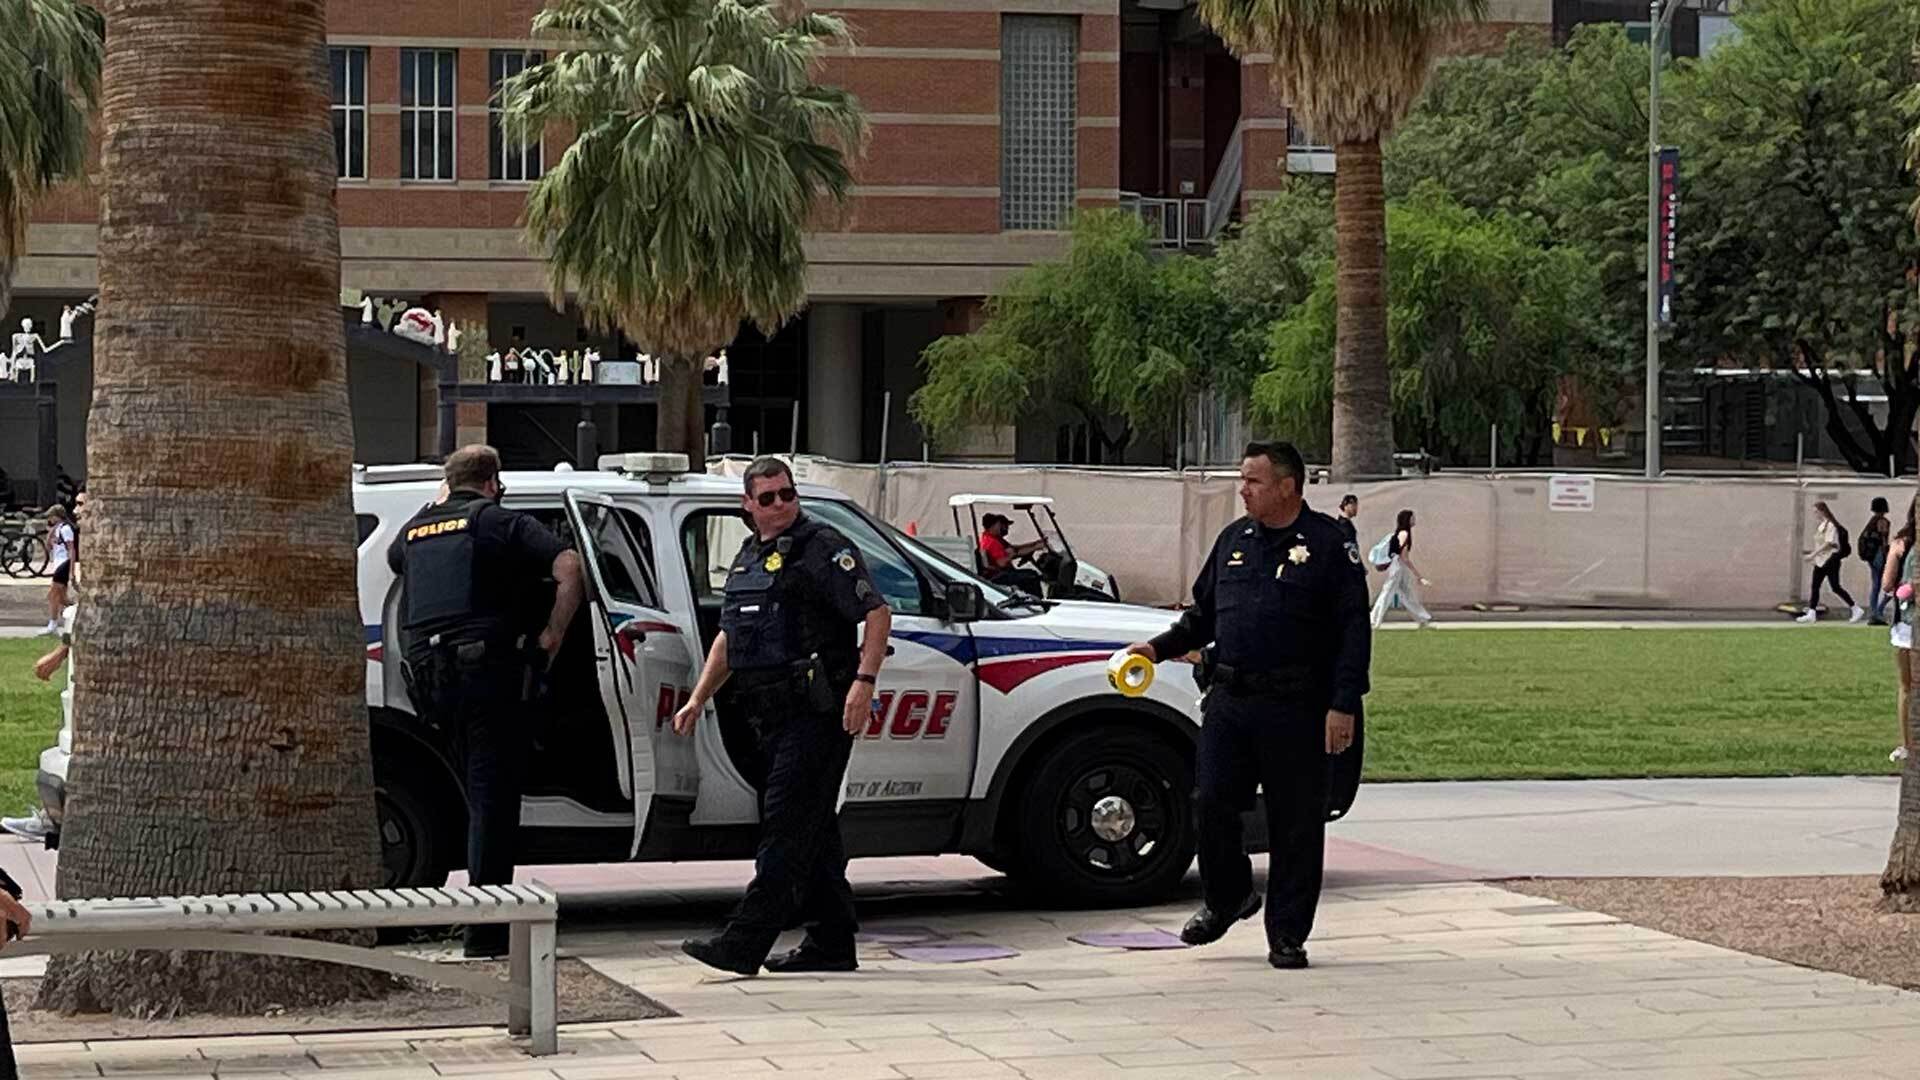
947,571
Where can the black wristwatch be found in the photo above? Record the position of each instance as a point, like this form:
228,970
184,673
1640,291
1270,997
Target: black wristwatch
863,677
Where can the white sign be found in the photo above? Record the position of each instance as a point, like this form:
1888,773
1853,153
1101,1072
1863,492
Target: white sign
617,373
1570,493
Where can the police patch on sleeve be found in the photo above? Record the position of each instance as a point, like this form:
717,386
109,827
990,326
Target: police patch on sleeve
1353,553
844,559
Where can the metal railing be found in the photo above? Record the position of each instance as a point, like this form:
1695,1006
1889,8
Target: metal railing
1171,223
1223,195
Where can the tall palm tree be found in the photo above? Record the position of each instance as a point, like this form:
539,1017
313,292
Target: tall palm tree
49,85
704,148
220,723
1351,70
1900,881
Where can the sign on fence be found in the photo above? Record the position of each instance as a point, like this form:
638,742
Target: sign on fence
1570,493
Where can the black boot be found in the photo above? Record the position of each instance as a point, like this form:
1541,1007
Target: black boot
1288,956
1208,926
811,957
724,954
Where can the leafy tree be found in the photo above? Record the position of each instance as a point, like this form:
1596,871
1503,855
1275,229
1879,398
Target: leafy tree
705,146
1352,69
49,85
1110,332
1472,129
1484,320
1797,247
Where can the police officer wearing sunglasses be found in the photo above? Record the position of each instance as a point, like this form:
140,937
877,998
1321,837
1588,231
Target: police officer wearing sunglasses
795,594
477,630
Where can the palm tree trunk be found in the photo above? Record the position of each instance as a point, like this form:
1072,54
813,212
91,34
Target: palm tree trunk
682,427
220,716
1362,404
1900,882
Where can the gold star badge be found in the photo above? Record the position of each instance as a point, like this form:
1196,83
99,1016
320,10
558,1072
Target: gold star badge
774,563
1299,555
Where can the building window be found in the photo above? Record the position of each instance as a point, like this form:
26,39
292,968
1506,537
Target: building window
1300,139
1039,82
349,71
426,114
509,160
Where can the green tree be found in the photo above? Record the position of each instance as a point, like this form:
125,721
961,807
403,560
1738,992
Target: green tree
1351,69
1472,129
1109,332
1796,244
49,85
1485,320
704,148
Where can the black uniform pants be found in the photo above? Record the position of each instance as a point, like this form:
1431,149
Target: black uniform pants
1278,742
800,867
476,693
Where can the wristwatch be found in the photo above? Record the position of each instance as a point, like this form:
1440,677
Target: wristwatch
864,677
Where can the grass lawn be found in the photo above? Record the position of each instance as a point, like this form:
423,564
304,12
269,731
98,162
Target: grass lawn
1528,704
29,720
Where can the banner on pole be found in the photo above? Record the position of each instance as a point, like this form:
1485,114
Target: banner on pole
1669,212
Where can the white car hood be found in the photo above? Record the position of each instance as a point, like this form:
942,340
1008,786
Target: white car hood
1123,624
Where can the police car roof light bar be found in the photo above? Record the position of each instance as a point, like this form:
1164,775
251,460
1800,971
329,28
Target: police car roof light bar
652,467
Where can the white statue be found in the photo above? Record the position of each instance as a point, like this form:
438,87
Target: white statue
723,367
439,329
493,366
366,311
67,315
586,368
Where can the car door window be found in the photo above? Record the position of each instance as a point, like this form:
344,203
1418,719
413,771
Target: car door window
623,572
892,574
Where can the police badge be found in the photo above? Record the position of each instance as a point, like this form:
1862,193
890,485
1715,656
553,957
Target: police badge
774,563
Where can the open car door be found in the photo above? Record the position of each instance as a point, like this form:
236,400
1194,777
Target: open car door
646,668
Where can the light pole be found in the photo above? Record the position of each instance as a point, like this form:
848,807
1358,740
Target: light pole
1661,13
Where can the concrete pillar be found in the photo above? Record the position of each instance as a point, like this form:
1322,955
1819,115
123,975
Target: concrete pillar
833,381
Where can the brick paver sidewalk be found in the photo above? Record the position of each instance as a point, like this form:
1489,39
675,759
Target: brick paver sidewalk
1410,981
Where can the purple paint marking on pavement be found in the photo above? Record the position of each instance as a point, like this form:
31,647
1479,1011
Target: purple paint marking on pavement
953,953
1131,939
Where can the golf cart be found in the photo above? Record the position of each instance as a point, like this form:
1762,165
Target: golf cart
1063,575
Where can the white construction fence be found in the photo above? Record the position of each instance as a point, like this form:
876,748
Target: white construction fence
1577,540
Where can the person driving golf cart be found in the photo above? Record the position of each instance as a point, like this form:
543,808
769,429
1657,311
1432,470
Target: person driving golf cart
997,556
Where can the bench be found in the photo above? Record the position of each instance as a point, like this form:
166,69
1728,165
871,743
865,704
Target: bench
246,923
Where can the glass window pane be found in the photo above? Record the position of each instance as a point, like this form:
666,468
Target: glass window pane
444,145
536,161
357,144
446,79
892,574
337,70
496,68
357,76
495,150
340,161
409,61
409,168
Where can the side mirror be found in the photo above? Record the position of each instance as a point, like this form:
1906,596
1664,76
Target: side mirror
964,602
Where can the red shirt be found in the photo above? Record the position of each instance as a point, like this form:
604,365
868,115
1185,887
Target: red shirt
996,550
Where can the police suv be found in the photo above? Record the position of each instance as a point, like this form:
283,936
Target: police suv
995,731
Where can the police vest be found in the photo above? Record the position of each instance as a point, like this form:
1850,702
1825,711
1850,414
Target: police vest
444,589
765,619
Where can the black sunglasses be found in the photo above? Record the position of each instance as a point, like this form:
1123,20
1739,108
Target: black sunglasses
785,495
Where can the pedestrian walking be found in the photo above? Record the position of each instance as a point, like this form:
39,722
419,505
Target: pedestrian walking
1403,577
65,544
1281,607
1873,551
1831,546
476,633
794,596
1349,509
1900,559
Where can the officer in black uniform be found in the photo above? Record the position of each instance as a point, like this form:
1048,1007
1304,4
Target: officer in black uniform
794,595
477,634
1282,600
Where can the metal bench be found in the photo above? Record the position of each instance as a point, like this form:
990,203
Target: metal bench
243,923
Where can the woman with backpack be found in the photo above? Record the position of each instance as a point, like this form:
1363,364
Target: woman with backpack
1401,574
1900,559
1830,549
1873,551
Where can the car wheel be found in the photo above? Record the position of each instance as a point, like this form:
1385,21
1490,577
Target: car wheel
416,844
1106,820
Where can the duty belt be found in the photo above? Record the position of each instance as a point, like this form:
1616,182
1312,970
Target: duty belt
1291,678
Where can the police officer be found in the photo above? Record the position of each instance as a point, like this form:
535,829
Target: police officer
794,595
477,633
1282,600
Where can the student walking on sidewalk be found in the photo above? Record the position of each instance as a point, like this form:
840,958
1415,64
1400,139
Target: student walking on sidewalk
1830,549
1402,576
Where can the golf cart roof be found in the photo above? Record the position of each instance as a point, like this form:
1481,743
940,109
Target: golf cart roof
1021,501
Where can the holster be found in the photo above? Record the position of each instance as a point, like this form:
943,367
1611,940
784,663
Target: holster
811,683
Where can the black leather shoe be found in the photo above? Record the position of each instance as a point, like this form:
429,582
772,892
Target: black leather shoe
810,958
1208,926
484,942
721,955
1287,956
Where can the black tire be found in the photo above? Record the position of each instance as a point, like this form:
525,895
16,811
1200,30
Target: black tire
421,830
1064,860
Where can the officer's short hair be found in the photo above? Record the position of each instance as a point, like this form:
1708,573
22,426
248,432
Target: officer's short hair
470,467
1286,460
766,468
1349,499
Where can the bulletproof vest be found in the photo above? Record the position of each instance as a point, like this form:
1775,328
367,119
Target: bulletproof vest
762,614
444,589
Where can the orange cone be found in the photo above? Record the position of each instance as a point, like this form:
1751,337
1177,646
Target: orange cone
913,528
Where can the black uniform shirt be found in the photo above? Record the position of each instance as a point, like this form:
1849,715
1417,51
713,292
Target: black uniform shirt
821,579
488,589
1277,598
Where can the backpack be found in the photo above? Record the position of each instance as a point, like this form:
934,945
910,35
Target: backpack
1873,543
1846,544
1382,554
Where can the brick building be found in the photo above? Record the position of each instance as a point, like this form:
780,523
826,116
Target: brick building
992,121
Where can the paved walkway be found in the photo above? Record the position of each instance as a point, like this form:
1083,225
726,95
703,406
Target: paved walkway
1410,982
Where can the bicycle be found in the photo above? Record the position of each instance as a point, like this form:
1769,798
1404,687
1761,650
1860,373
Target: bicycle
24,552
